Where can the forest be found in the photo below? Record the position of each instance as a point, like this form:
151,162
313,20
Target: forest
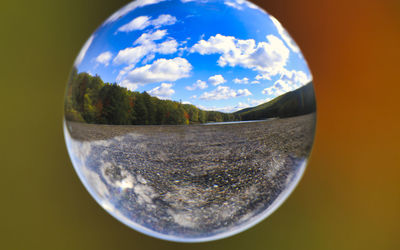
89,99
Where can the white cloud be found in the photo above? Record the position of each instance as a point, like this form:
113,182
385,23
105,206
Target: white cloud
216,80
280,87
259,77
220,93
243,92
163,20
152,36
242,105
147,48
124,71
164,91
233,5
200,1
83,51
133,55
199,84
238,106
289,81
239,4
139,23
182,50
167,47
285,35
223,93
148,58
268,58
104,58
245,80
256,102
129,85
130,7
142,22
226,109
161,70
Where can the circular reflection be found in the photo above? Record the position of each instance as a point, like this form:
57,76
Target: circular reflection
190,120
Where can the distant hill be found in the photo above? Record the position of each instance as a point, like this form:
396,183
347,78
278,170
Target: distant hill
298,102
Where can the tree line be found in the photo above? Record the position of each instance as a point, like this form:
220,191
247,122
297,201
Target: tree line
89,99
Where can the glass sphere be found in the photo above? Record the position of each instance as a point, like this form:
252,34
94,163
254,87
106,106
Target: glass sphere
190,120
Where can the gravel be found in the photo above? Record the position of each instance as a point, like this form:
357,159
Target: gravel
191,181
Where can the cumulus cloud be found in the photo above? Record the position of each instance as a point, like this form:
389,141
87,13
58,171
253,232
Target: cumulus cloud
256,102
163,20
243,92
199,84
104,58
289,81
240,105
146,47
132,55
129,85
164,91
162,70
83,51
239,4
167,47
245,80
280,87
130,7
223,93
285,35
139,23
226,109
216,80
233,5
151,36
142,22
200,1
268,58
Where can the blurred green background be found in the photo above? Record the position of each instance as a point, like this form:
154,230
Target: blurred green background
349,197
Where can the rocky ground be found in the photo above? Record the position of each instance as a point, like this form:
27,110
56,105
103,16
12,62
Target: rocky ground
190,181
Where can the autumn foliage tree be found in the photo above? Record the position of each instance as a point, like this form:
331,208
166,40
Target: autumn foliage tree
91,100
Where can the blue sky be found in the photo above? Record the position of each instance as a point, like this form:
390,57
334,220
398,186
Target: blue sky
217,55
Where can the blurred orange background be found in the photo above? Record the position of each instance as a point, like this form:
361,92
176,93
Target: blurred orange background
349,197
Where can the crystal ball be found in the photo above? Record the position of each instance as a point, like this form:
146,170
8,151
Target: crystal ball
190,120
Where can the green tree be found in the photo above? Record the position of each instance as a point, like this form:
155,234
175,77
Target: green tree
151,108
140,111
115,106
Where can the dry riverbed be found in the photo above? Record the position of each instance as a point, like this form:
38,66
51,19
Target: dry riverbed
195,180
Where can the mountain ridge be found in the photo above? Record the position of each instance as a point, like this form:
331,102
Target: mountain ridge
297,102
